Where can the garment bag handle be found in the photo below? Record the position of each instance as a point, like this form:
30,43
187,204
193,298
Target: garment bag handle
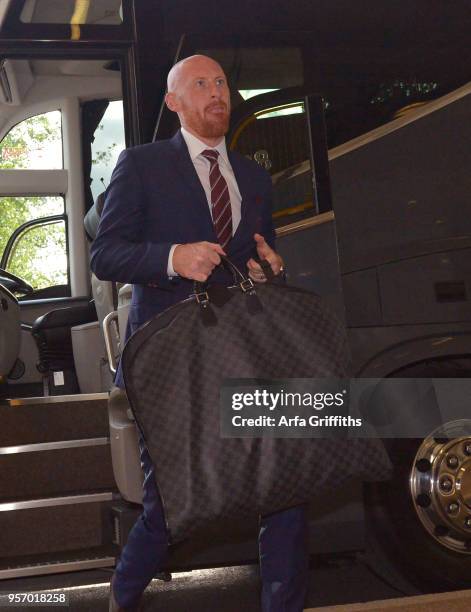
243,282
219,295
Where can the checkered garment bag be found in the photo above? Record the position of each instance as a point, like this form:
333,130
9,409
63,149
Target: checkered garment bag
174,367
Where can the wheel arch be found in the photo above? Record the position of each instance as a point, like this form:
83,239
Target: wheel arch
409,354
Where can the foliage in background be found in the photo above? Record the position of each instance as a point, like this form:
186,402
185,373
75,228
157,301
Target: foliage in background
105,156
39,256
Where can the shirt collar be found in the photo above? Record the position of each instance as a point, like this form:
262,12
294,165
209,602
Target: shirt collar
197,146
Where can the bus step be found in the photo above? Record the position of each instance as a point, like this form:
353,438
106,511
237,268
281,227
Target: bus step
48,419
39,565
55,468
56,524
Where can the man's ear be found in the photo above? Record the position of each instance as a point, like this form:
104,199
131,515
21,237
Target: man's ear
171,101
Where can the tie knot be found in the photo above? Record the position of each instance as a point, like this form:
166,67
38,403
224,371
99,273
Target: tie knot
211,154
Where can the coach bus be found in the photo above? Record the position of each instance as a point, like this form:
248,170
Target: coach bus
362,120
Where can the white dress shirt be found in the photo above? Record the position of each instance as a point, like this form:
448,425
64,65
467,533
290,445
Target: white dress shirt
202,166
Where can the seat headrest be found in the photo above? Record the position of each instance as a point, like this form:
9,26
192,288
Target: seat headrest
92,218
100,202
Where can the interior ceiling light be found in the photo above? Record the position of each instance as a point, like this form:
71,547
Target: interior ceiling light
251,93
277,111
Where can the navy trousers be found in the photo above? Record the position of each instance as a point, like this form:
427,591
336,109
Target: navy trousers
283,548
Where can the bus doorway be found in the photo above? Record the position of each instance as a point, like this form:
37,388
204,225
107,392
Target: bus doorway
62,126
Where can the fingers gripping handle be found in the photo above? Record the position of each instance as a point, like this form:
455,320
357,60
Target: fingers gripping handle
203,295
244,282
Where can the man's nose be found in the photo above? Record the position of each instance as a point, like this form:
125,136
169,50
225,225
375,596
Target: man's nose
215,91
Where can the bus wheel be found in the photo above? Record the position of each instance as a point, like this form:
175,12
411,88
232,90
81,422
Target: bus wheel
420,521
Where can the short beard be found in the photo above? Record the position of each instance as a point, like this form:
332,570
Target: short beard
216,128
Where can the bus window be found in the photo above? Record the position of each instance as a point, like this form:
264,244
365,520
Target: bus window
33,241
355,101
108,142
277,139
33,144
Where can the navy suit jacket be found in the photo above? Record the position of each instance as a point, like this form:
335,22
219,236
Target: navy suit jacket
155,199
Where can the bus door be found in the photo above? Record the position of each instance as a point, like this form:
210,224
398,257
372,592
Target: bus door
61,131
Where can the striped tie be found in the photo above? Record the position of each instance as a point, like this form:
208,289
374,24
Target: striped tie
220,200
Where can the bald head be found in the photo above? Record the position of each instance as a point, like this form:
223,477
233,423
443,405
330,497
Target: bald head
198,93
185,68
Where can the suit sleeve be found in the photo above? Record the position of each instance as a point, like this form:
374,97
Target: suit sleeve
120,252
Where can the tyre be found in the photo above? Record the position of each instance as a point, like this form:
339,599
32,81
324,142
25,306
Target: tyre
425,536
419,522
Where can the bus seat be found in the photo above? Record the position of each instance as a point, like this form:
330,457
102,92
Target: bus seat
66,339
124,304
103,295
53,335
91,365
109,297
112,303
92,218
125,455
123,432
104,292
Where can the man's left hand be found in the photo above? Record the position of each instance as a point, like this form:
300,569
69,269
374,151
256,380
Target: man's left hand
264,251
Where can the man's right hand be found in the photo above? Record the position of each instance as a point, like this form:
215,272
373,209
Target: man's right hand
197,260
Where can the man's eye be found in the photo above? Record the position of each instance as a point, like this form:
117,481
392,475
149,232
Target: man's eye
220,82
200,83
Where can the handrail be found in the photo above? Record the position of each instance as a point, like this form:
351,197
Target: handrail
107,321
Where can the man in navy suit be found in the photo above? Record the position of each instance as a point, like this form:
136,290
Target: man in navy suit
171,209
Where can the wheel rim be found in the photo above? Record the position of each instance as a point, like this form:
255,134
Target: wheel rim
440,485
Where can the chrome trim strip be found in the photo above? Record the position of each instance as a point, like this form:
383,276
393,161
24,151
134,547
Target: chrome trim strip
53,399
47,502
55,568
326,217
47,446
387,128
69,301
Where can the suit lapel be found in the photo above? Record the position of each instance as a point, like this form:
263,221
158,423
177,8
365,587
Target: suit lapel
199,208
